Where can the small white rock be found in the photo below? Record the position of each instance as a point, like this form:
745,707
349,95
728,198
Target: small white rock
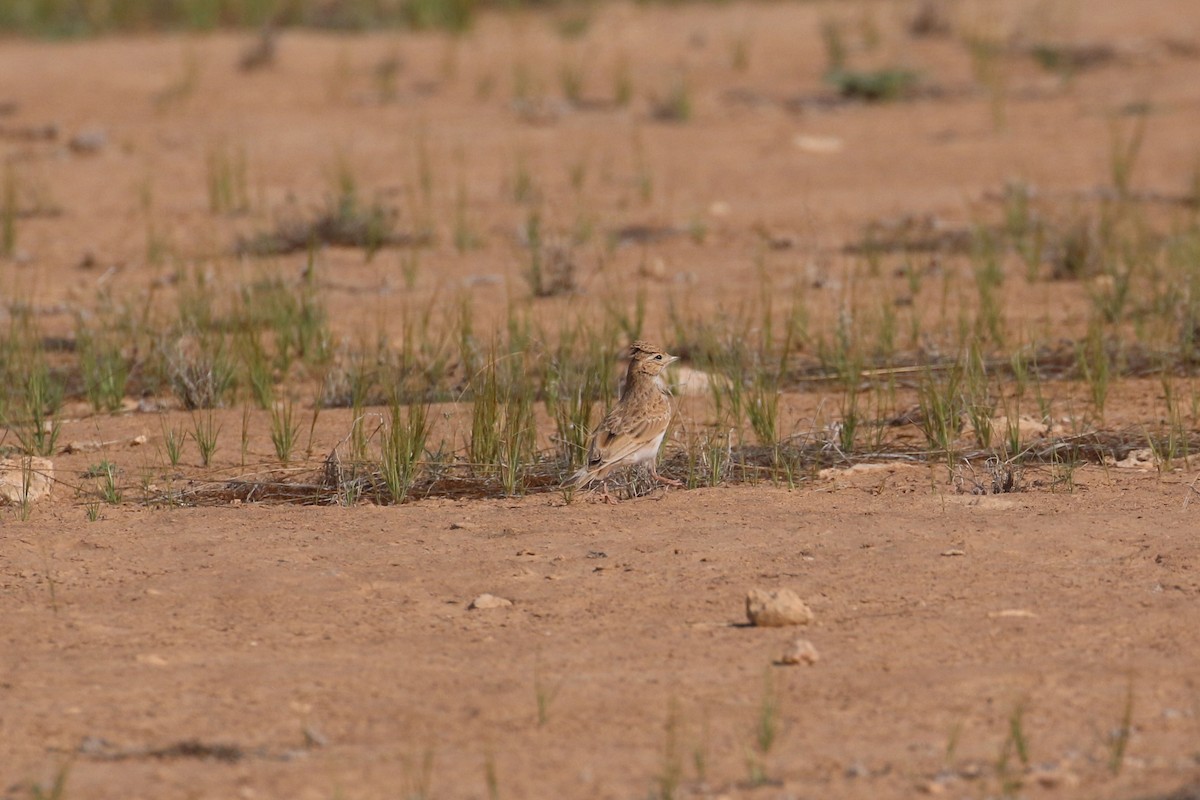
1137,459
486,601
25,479
775,608
802,651
89,141
821,145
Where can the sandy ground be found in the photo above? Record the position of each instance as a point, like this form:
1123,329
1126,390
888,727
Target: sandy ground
938,617
1037,644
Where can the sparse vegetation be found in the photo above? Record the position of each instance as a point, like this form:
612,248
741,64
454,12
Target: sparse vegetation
445,307
766,731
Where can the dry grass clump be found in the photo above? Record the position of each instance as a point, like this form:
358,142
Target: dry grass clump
343,222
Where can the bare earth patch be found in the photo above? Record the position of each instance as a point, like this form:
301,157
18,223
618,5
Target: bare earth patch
178,639
333,650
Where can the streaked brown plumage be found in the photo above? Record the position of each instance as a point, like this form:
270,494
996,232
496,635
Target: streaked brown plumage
633,430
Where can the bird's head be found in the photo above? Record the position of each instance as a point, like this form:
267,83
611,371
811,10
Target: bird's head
646,359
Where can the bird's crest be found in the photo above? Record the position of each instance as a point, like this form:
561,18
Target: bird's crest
641,346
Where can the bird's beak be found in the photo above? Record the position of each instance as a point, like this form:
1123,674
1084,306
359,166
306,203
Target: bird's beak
671,360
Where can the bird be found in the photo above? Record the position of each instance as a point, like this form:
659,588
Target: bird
632,431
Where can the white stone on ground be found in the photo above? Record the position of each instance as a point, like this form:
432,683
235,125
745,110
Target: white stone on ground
775,608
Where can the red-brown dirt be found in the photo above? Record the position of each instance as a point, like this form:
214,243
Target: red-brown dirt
1042,643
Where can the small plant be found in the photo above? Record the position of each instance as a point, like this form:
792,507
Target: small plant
57,790
8,212
1118,739
105,370
622,83
766,730
977,397
1175,443
643,178
835,44
284,430
952,741
25,504
739,53
571,390
516,439
345,221
872,86
989,275
490,777
182,86
676,104
1096,366
385,76
227,192
987,63
453,16
245,438
1062,470
205,432
259,375
200,370
700,752
106,475
40,394
523,188
465,238
410,266
571,77
575,23
717,456
941,404
544,695
1125,145
419,778
671,771
552,268
403,448
762,407
1015,744
173,440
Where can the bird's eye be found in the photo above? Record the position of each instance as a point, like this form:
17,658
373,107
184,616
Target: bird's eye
658,357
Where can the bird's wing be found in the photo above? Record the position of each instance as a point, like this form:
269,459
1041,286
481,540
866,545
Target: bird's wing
611,447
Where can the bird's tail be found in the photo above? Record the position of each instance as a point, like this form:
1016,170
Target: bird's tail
581,478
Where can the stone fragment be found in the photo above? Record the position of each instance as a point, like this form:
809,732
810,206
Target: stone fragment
486,601
25,479
802,651
775,608
89,141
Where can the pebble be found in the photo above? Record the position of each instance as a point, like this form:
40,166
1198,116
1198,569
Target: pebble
89,141
775,608
486,601
25,479
802,651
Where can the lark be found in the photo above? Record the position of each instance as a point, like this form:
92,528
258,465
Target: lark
633,430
